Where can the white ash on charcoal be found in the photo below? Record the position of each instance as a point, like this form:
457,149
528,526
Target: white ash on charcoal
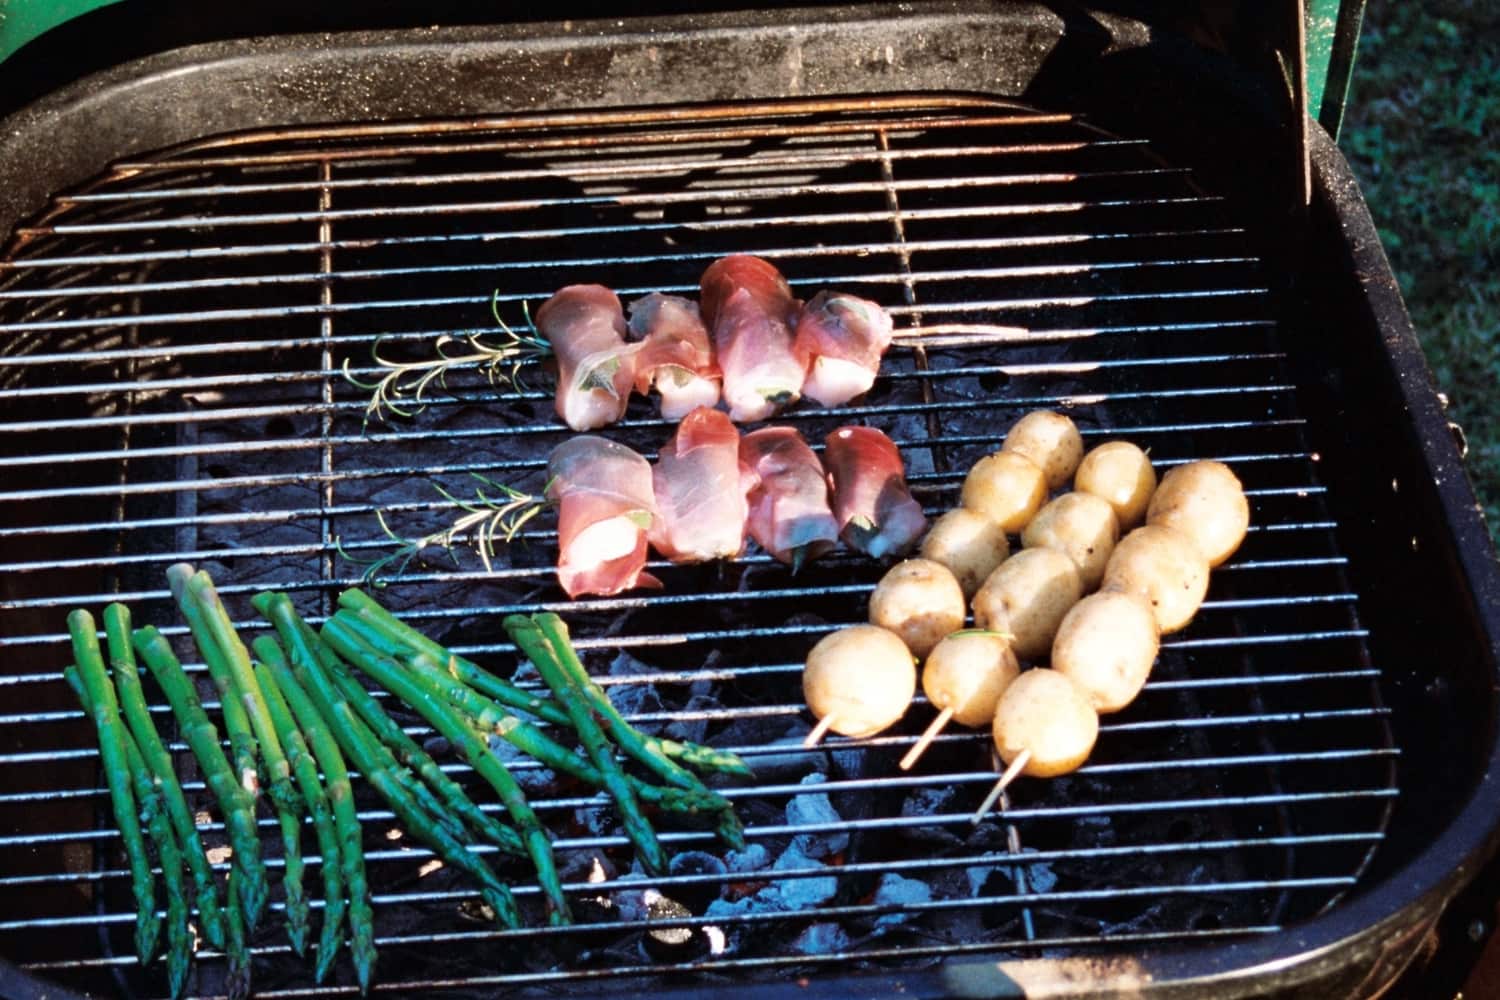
813,809
691,725
803,892
821,939
632,698
932,800
752,859
531,776
898,891
702,878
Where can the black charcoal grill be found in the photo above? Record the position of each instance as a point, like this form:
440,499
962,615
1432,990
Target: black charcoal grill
1074,212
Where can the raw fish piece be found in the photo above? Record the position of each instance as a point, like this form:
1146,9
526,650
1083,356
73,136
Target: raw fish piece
789,513
605,509
871,503
700,491
675,355
595,367
750,311
841,339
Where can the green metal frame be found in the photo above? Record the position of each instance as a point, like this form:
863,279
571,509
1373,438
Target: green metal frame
23,20
1332,36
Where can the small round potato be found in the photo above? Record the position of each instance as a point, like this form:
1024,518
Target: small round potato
861,678
1046,714
1204,501
1049,439
1006,487
967,672
920,601
1080,526
969,544
1026,597
1119,472
1106,645
1164,568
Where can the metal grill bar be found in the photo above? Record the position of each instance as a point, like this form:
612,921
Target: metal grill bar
185,321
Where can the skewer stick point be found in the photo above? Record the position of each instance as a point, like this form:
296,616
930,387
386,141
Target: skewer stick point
1011,772
928,735
818,732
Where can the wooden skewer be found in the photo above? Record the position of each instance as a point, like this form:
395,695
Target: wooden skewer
928,735
819,731
1016,767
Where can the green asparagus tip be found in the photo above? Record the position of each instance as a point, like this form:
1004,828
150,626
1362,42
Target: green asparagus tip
178,574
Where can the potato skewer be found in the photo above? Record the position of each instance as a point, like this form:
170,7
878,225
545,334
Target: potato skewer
964,677
857,681
1044,726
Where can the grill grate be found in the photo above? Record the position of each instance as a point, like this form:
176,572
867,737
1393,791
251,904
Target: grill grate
170,344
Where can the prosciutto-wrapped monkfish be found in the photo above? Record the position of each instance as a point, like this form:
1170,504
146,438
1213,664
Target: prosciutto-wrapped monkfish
789,513
874,509
841,339
750,309
675,356
605,510
700,490
585,326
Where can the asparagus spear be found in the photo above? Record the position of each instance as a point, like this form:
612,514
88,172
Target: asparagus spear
236,952
533,642
446,721
237,804
226,656
306,773
341,796
154,752
105,712
379,767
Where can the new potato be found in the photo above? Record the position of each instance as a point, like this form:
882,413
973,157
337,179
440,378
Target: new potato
920,601
861,678
969,544
1006,487
1027,596
1049,439
1106,645
1164,568
1204,501
968,672
1080,526
1047,716
1121,474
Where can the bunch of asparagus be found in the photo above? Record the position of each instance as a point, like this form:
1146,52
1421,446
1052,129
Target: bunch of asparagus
296,708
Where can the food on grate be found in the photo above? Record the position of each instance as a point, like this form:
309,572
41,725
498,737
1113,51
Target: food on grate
1044,726
964,677
1006,487
700,491
857,681
969,544
585,327
675,355
1026,597
605,509
789,513
920,601
840,339
750,309
1205,501
1164,568
1080,526
1120,473
871,503
1049,439
1106,645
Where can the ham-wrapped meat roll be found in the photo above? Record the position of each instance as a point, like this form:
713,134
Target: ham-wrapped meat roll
595,366
749,309
674,356
789,513
605,510
871,503
700,490
841,339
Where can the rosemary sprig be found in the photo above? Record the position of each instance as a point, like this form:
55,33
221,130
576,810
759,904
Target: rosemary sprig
489,519
402,389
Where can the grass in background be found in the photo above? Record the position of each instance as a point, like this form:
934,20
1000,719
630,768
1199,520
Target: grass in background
1422,131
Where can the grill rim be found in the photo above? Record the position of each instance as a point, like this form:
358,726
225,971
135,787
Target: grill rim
1361,921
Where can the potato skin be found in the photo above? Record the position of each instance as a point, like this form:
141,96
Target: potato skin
1164,568
968,671
1027,596
1045,713
920,601
1049,439
1106,645
1206,502
1120,473
1006,487
1082,527
969,544
863,676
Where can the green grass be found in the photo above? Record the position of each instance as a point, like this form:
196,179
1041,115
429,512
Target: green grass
1422,131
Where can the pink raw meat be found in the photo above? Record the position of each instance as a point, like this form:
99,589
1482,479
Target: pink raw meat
750,310
789,513
675,355
700,490
874,509
605,509
595,367
841,339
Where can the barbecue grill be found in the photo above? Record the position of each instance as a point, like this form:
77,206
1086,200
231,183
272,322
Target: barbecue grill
1074,211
